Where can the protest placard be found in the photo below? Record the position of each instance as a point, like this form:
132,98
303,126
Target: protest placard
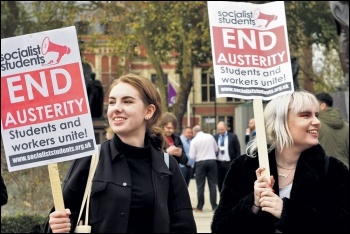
251,58
45,115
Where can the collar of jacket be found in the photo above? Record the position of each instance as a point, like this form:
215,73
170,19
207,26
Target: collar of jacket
157,157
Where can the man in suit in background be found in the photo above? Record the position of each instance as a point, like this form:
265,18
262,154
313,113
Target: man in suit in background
229,149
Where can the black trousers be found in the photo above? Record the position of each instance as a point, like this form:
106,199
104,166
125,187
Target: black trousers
223,168
187,172
206,169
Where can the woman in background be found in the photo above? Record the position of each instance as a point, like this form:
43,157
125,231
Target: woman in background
173,143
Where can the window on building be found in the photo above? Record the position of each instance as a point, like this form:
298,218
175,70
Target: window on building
82,27
165,80
208,124
108,29
208,87
229,123
230,99
165,83
135,50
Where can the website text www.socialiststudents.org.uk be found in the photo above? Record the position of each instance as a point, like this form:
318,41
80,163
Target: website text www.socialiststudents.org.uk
46,154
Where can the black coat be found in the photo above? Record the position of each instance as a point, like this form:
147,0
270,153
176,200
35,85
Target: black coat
234,148
318,203
111,193
4,196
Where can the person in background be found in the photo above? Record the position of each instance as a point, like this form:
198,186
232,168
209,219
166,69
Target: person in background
173,146
250,131
95,96
229,150
133,190
334,132
4,195
187,169
203,150
306,190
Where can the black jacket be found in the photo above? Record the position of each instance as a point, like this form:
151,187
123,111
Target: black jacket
111,193
318,203
234,148
4,195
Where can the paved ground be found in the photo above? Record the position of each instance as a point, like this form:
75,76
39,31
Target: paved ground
203,219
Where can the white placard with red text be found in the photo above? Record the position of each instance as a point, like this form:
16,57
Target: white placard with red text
45,115
250,49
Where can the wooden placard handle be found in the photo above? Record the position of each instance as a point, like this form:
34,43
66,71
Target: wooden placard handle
261,137
56,186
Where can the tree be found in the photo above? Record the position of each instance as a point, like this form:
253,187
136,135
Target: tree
182,31
192,35
161,30
29,190
10,12
18,17
309,22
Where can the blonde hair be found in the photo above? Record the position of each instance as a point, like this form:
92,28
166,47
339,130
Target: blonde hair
276,112
109,133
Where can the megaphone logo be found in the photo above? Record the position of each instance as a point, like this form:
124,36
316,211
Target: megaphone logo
261,16
48,46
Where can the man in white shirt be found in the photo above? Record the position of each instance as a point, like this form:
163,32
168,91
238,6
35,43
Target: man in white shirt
203,150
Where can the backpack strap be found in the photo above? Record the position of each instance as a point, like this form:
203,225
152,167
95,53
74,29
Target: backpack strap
166,159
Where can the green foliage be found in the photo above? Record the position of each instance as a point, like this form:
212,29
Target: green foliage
23,223
309,22
165,29
29,190
19,17
182,32
328,77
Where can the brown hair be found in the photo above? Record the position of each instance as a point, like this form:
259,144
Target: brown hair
149,95
166,118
